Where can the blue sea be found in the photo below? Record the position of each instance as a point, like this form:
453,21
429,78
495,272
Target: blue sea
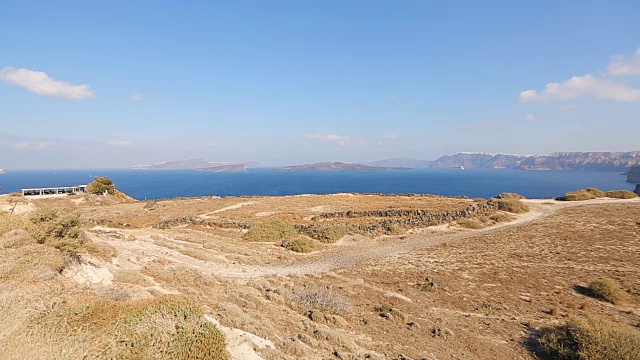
155,184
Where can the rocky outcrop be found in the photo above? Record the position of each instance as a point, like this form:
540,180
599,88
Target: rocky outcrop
633,176
637,190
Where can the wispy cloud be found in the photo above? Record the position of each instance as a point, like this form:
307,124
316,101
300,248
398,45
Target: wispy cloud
119,143
529,117
40,83
339,140
479,124
136,97
622,67
579,86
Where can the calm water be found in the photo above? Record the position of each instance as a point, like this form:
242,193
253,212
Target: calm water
152,184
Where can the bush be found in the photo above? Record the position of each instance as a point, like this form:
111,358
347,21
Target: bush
470,224
512,206
269,231
323,299
621,194
100,185
299,244
395,230
596,193
59,228
608,290
510,196
590,339
328,233
583,194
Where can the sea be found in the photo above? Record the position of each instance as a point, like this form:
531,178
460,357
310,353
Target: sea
474,183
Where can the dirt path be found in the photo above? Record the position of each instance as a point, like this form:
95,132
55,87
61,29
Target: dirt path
232,207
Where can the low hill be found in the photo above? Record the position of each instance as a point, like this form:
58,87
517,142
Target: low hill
337,166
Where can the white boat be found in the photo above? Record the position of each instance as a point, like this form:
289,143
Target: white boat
1,171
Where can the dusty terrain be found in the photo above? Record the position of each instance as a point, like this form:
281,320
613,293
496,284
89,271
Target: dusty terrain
439,292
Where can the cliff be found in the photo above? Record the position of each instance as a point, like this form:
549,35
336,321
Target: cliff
570,161
633,176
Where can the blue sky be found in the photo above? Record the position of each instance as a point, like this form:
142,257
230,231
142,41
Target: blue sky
119,83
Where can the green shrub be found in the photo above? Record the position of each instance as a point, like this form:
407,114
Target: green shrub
590,339
329,233
269,231
608,290
621,194
510,196
59,228
470,224
100,185
512,206
299,244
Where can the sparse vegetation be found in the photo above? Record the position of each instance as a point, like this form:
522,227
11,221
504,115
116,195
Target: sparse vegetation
512,206
329,233
299,244
590,339
395,230
100,185
269,231
608,290
621,194
596,193
470,224
10,222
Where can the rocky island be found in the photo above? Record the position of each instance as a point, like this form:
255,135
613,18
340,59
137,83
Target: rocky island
633,176
337,166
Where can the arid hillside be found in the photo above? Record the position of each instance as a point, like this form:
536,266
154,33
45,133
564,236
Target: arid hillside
340,276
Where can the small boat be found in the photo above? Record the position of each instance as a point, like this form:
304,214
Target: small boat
1,171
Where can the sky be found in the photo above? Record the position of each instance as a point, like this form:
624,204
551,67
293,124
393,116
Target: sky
110,84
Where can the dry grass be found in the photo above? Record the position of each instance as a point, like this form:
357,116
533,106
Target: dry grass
590,339
621,194
608,290
470,224
299,244
59,228
512,206
269,231
500,217
10,222
582,195
169,327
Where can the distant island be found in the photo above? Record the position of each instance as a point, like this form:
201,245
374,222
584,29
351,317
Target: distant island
337,166
565,161
225,168
200,165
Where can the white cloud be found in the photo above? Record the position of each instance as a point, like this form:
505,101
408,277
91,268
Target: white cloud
339,140
621,67
120,143
579,86
529,117
40,83
21,145
136,97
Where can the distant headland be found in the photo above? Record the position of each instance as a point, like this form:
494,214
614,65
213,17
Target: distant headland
564,161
